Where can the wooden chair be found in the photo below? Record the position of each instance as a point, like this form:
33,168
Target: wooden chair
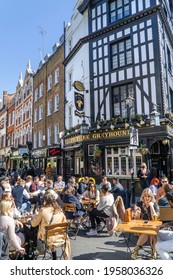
76,221
60,229
166,214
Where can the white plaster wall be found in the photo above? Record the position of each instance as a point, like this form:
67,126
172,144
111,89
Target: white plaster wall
78,65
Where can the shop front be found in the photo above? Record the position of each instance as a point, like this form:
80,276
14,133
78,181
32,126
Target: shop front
19,158
55,158
38,158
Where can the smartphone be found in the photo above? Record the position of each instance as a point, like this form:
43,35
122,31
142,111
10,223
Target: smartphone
145,222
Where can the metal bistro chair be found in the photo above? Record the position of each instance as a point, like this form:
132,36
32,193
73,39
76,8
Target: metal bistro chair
76,221
59,229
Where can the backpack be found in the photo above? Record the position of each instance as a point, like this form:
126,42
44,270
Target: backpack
3,246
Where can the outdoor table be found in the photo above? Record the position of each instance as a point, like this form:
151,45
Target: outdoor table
137,227
26,220
87,202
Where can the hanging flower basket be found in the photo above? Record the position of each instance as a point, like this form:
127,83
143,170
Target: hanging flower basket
144,151
97,153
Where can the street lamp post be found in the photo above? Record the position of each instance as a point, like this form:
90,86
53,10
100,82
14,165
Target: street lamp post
133,144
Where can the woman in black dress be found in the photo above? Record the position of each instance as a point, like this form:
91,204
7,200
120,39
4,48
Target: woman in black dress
145,209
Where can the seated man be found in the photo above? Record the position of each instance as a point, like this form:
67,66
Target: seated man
117,189
165,237
103,210
161,191
59,183
105,182
162,201
83,185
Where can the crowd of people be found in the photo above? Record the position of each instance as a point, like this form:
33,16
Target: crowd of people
41,196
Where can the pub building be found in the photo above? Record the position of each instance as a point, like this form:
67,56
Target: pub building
155,148
124,55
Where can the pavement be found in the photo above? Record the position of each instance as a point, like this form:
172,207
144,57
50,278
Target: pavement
104,247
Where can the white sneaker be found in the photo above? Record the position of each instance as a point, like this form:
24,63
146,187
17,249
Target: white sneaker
81,227
91,232
99,227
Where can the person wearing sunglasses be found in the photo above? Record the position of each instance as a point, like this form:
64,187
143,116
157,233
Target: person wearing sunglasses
161,190
105,182
143,174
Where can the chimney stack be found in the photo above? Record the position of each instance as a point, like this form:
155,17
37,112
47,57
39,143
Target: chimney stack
5,96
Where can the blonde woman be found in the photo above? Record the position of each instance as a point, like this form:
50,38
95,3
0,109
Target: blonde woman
145,209
7,224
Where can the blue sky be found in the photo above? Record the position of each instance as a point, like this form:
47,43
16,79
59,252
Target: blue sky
20,37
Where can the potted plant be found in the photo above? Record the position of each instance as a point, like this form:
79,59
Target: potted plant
97,152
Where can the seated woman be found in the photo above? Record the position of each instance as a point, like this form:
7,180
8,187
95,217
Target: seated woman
145,209
7,224
91,193
16,213
69,197
52,213
104,210
164,246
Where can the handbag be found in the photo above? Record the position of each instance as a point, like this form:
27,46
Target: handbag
41,246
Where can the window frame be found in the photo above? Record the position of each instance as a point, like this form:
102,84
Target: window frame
56,103
119,53
122,91
56,75
119,156
49,136
49,82
119,8
49,107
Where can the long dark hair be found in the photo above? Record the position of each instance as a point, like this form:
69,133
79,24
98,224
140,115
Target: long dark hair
95,189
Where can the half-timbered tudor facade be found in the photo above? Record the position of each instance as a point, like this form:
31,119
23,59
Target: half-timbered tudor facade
130,54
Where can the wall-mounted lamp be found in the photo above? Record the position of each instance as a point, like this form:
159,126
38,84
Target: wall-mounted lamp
154,117
165,141
112,127
84,127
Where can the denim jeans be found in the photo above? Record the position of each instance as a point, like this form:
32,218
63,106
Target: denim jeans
165,244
